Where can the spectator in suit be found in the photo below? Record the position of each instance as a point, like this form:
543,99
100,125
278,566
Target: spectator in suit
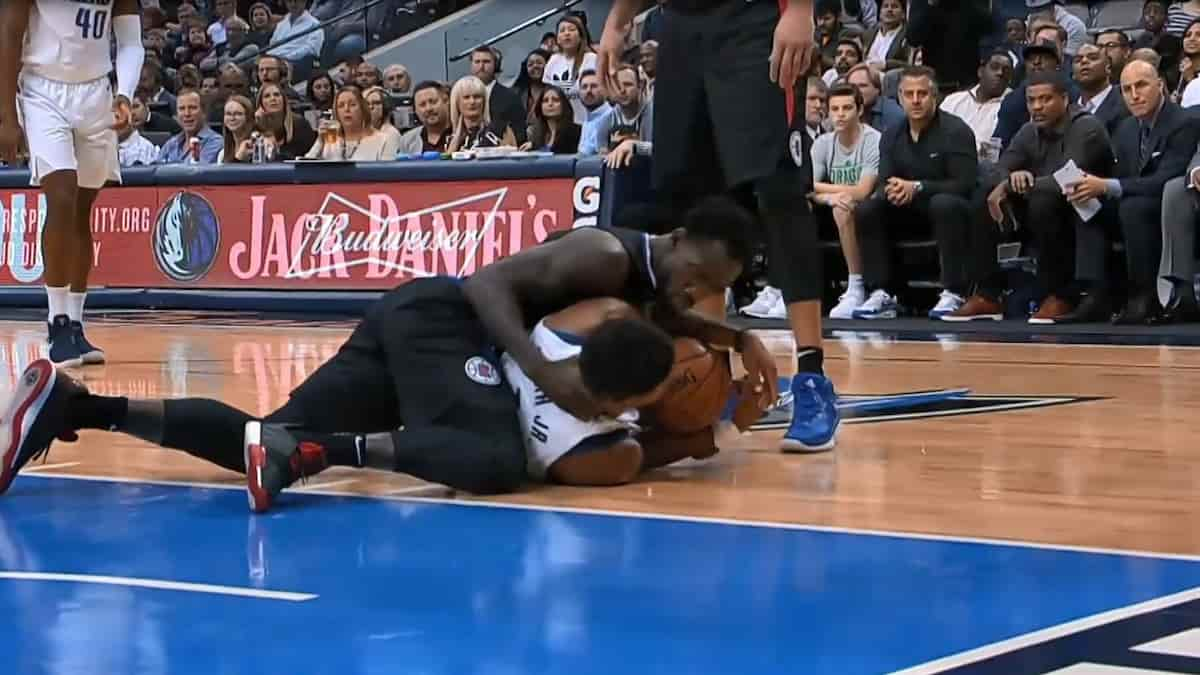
1057,132
1117,48
946,30
886,44
927,170
880,112
1178,263
1096,94
432,102
815,103
1152,147
504,104
979,106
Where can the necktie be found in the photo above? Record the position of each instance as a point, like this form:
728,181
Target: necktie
1144,144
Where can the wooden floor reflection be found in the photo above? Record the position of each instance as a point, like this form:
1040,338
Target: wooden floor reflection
1121,471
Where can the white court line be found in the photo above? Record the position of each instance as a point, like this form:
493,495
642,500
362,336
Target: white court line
479,503
1047,634
44,467
317,487
160,584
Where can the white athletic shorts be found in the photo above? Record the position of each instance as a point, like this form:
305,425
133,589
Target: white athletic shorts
69,127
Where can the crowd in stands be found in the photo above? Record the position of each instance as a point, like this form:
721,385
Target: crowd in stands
1078,143
1070,147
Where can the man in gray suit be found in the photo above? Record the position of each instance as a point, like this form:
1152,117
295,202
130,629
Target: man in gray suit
1180,206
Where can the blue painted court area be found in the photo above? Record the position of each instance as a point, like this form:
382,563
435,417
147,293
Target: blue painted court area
405,587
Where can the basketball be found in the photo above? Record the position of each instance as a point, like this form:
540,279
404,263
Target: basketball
697,390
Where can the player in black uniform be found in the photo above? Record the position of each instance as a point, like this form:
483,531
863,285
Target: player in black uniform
417,388
731,72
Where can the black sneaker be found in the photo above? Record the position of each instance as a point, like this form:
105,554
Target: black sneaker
63,350
34,417
88,352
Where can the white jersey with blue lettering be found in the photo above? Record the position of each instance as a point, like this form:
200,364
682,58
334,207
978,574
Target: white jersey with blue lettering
69,40
550,432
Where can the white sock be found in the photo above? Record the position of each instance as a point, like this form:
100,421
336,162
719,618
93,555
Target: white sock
56,298
75,305
854,284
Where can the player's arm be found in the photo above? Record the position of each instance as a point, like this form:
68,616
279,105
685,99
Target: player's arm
127,28
14,20
608,56
759,363
588,263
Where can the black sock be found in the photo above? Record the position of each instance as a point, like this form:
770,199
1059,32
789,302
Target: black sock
810,360
340,449
98,412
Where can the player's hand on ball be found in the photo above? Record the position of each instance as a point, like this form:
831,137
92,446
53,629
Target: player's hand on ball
792,50
10,141
762,377
563,383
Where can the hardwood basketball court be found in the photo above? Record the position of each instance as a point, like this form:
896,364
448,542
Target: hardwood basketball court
1055,445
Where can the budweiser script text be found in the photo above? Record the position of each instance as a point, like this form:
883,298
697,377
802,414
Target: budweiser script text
389,243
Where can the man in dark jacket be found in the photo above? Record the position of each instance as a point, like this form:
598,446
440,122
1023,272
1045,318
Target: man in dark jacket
945,30
1024,186
927,170
1152,147
1096,94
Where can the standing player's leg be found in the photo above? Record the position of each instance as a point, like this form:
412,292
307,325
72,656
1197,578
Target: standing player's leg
61,190
762,149
83,260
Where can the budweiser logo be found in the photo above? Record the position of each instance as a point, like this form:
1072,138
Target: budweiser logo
328,235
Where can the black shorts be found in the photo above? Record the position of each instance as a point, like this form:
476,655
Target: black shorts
722,125
719,121
419,358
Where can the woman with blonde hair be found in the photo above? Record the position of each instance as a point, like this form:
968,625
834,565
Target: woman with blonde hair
380,109
239,125
471,118
274,110
575,56
356,140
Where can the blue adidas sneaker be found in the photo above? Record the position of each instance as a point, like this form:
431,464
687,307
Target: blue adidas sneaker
815,417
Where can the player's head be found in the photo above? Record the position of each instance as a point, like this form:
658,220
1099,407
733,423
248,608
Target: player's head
625,363
707,254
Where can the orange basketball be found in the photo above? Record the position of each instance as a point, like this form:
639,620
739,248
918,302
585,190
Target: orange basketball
697,389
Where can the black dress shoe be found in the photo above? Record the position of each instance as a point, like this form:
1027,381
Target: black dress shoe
1139,310
1183,309
1092,308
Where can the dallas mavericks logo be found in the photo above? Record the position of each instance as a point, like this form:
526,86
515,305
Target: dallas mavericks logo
186,237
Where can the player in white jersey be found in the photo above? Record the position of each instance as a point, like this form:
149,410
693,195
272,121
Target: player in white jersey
54,81
624,362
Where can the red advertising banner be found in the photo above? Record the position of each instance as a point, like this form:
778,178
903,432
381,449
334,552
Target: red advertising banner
344,236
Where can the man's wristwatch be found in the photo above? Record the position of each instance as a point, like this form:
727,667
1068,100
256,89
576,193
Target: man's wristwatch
919,187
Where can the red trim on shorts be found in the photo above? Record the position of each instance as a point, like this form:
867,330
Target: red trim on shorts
789,96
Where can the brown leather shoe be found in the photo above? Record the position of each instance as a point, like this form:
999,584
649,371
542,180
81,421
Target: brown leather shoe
1051,309
976,307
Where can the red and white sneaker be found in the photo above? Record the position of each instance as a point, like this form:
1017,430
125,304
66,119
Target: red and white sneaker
274,460
34,417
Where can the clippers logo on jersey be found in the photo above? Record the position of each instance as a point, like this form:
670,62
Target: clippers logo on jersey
796,147
187,237
481,371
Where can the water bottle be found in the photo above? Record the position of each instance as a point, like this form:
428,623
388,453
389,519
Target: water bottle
260,148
